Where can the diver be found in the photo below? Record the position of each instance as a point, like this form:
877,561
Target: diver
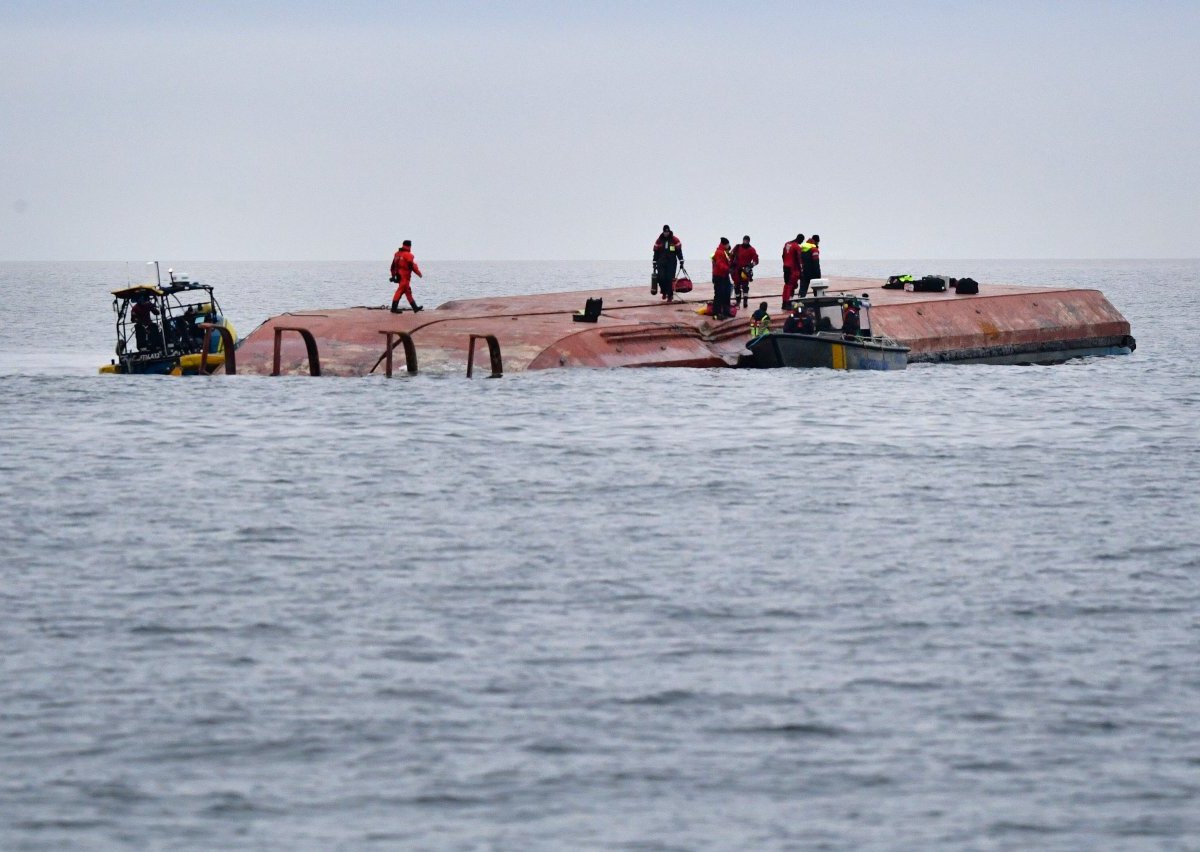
668,256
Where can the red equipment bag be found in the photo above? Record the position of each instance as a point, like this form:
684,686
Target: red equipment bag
683,284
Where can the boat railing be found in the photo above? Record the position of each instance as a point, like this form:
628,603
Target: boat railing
493,346
394,339
229,351
310,343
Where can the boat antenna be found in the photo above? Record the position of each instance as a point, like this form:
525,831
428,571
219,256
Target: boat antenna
157,274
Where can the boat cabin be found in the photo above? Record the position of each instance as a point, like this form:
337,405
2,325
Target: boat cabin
843,314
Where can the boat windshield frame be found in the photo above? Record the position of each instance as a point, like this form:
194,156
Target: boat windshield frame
174,332
835,317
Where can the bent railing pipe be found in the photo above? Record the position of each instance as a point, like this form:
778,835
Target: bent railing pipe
410,351
314,361
230,351
493,351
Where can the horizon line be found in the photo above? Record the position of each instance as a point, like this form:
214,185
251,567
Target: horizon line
604,260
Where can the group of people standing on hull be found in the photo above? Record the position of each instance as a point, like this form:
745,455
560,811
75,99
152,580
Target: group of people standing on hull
732,272
733,269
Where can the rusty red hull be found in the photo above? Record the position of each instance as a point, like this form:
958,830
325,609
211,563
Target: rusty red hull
1001,322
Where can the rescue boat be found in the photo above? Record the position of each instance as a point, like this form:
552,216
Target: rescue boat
175,329
834,342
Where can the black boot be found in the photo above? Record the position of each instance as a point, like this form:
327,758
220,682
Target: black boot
417,308
395,307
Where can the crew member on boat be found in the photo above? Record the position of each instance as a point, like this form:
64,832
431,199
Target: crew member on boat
760,321
143,312
850,319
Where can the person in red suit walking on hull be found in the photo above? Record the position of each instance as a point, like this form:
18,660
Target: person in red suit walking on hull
745,258
403,267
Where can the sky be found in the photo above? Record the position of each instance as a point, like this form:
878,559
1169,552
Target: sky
539,130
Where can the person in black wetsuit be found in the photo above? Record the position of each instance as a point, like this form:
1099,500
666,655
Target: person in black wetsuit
668,255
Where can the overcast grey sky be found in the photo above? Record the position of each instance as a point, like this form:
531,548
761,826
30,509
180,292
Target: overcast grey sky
545,130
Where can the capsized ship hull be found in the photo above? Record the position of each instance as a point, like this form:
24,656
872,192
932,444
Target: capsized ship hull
635,329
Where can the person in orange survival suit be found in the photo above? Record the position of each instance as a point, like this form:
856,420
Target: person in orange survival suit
745,258
403,267
791,269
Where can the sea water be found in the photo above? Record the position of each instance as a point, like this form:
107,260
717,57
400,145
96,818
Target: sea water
950,607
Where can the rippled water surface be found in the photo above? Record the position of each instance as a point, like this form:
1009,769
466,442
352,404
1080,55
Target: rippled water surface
954,607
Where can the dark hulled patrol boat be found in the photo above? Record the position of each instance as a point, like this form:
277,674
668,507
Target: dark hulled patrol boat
837,336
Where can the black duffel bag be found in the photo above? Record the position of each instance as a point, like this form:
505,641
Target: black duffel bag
931,284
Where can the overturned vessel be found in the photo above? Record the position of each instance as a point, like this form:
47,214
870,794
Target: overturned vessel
1001,323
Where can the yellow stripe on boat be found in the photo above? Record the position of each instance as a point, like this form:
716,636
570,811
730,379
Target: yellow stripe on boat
839,356
191,363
